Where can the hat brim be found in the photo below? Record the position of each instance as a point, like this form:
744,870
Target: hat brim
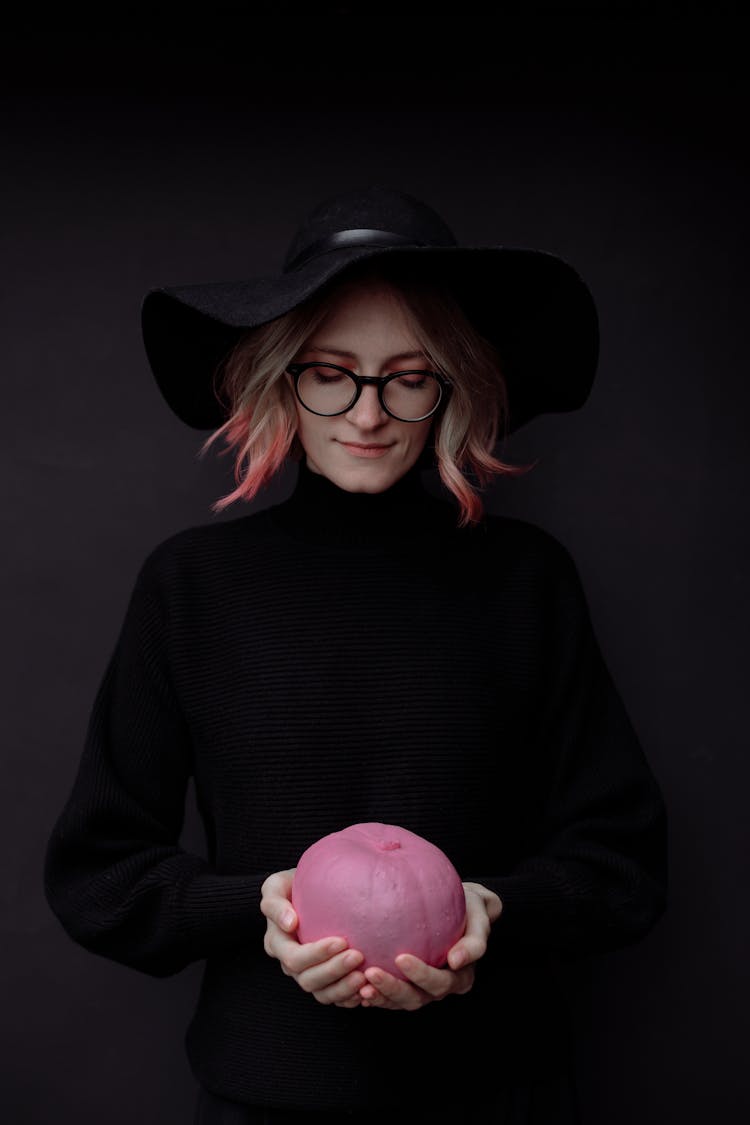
531,305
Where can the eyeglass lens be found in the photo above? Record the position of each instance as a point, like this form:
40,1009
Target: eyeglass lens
410,396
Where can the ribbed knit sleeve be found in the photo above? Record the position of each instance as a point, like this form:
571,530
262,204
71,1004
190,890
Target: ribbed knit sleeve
599,880
114,873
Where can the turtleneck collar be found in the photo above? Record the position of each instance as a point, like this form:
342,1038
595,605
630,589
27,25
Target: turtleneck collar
321,511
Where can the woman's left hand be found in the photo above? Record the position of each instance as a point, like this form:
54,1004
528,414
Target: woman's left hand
426,983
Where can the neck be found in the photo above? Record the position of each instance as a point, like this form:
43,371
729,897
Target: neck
318,509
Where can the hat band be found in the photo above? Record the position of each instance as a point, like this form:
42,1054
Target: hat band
343,239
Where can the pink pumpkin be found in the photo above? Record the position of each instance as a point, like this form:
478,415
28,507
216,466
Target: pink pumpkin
383,888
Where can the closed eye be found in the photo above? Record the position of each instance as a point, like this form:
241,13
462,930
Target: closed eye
325,377
414,381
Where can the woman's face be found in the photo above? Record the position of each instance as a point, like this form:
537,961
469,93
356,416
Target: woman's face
366,330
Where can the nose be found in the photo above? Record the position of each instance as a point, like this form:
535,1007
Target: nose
367,413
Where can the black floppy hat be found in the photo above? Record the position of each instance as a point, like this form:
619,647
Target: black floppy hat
530,304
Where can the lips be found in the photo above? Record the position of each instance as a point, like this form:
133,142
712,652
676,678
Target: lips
357,449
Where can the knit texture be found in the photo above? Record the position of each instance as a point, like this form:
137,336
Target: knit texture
345,657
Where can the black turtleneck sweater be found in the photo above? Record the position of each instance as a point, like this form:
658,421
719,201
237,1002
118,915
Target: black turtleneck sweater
345,657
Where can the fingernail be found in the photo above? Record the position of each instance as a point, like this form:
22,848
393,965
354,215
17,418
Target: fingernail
457,960
287,919
336,945
375,976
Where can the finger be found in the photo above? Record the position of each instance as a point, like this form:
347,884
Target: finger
278,909
323,975
279,944
435,983
278,884
301,958
371,998
494,907
481,898
352,1002
285,917
375,999
344,993
466,951
473,943
391,991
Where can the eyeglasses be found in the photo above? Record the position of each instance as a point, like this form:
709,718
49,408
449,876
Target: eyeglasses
409,396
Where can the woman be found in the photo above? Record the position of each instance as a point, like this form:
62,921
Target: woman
366,650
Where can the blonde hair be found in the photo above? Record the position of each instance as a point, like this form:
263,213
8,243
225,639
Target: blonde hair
262,423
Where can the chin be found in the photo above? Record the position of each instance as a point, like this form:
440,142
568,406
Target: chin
366,480
368,477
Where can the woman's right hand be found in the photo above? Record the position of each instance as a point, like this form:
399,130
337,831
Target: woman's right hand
325,968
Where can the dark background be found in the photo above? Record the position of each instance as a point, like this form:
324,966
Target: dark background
167,144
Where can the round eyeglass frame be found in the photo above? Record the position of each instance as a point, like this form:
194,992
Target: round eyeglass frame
445,385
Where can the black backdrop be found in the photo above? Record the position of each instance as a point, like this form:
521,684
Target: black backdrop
172,144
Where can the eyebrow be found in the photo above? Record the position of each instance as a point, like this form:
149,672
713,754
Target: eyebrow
401,356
